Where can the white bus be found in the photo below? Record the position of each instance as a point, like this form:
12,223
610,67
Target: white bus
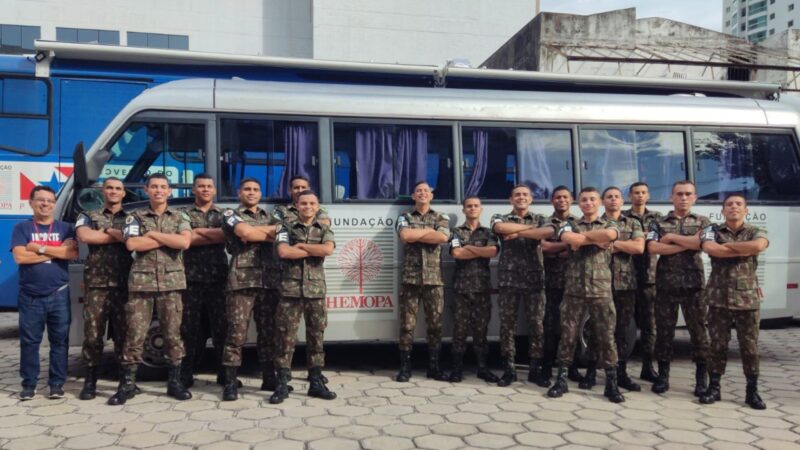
363,147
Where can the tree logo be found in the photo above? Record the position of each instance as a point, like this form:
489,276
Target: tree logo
360,261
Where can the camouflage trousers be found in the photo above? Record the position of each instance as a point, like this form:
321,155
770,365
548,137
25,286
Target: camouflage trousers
139,312
287,321
646,317
691,303
203,302
602,319
625,306
261,303
471,311
103,305
719,329
509,300
552,325
433,303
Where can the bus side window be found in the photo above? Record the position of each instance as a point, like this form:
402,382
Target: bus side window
623,157
760,165
24,116
271,151
383,162
496,159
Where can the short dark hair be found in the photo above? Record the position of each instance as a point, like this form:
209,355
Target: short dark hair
112,179
560,188
202,176
156,176
249,180
470,197
637,184
603,195
589,189
307,192
734,194
681,183
41,188
416,185
520,185
299,177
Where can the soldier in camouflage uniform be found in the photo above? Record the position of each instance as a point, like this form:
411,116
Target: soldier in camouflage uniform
521,280
555,263
733,295
303,245
588,289
423,231
206,266
105,278
645,264
623,283
250,290
158,234
472,246
679,282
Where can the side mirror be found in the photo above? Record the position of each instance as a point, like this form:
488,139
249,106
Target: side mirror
89,199
79,167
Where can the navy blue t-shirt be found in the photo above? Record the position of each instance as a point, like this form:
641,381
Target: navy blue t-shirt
46,277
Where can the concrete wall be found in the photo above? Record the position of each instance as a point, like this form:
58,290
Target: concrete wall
788,43
288,28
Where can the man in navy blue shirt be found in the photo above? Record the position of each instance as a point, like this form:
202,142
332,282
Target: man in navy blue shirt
42,248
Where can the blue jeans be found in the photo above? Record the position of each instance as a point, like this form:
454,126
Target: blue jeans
35,313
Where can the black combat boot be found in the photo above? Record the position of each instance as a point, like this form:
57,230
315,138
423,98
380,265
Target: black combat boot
126,389
89,390
623,380
713,393
282,389
187,373
700,385
268,377
590,380
648,374
612,391
457,374
434,371
483,369
120,372
662,382
752,398
546,374
535,373
509,373
230,391
316,387
404,374
175,387
560,386
574,374
221,378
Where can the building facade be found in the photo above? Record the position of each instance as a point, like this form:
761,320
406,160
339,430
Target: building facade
757,20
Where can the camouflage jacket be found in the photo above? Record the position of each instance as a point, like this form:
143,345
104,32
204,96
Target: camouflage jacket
160,269
622,266
205,263
520,264
252,265
422,263
303,277
107,265
645,263
554,265
472,275
684,269
733,283
288,213
589,268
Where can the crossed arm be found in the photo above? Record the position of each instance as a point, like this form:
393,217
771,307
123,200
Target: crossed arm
302,250
592,237
422,236
671,244
28,254
516,230
473,252
631,246
99,237
735,249
255,233
207,236
155,239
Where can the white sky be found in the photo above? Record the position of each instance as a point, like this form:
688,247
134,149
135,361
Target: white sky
703,13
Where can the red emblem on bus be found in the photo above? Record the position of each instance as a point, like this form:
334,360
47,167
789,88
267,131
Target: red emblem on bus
360,261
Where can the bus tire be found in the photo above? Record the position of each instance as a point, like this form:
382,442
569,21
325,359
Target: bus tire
582,354
154,362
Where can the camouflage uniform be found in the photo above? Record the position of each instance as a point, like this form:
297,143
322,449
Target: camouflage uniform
422,280
302,291
645,286
156,276
588,289
679,282
520,277
106,281
554,268
624,283
206,271
252,279
472,284
734,297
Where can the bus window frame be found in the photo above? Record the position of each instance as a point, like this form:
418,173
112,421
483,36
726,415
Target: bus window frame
455,150
49,116
792,132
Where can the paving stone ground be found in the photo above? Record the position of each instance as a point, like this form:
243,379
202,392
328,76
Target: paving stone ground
374,412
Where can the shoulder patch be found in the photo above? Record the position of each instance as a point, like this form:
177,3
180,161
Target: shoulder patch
228,213
129,219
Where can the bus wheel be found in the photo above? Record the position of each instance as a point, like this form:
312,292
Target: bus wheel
582,354
154,362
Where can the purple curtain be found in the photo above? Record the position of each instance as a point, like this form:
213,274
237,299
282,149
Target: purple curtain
374,163
300,144
480,141
412,159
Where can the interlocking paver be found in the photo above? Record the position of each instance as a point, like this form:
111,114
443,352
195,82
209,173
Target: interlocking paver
145,440
355,432
438,442
87,441
33,443
405,430
454,429
506,428
306,433
544,440
769,444
588,438
200,437
387,443
489,440
333,444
